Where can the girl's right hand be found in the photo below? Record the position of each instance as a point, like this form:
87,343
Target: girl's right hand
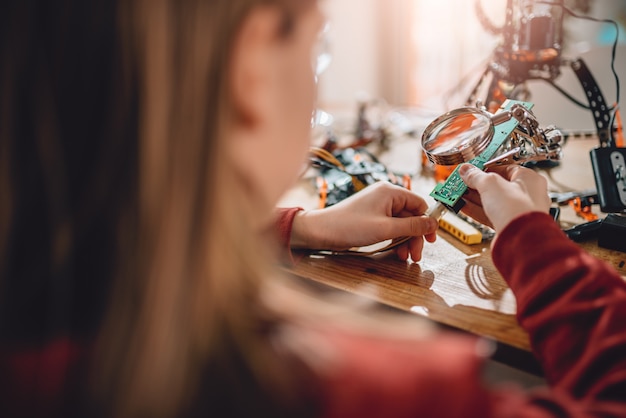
497,197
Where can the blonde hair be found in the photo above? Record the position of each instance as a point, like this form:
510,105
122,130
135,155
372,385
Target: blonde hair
188,293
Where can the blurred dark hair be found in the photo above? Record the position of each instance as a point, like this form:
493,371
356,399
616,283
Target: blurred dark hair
68,164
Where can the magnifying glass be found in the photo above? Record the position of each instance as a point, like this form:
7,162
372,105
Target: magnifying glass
471,134
463,134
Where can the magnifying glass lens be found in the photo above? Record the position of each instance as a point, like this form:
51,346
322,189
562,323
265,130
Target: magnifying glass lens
457,137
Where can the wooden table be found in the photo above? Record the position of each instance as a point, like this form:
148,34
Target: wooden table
455,284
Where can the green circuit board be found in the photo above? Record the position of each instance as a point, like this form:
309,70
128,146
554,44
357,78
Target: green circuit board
451,191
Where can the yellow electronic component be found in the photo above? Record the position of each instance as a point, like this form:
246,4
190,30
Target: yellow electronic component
460,229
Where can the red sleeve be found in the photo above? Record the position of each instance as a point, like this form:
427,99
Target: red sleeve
39,380
574,309
573,306
283,224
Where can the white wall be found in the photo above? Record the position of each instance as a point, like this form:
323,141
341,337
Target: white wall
369,41
354,49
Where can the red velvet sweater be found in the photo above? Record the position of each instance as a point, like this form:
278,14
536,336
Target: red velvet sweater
573,307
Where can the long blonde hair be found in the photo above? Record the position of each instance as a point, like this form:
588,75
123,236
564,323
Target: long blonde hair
187,294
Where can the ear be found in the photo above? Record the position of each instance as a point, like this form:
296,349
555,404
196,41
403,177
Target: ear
252,64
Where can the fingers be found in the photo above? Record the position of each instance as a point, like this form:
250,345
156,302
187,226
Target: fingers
413,248
392,199
508,171
528,180
414,226
405,201
473,177
402,252
477,179
472,196
416,245
476,212
420,228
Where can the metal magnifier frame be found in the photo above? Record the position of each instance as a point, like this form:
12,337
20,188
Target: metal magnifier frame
464,133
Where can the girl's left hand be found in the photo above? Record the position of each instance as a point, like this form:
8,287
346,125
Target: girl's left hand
377,213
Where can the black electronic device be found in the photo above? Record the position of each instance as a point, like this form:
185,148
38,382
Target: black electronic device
609,170
612,233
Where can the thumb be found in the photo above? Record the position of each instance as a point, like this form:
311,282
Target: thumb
470,175
414,226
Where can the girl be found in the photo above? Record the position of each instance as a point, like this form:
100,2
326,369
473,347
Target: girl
145,144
